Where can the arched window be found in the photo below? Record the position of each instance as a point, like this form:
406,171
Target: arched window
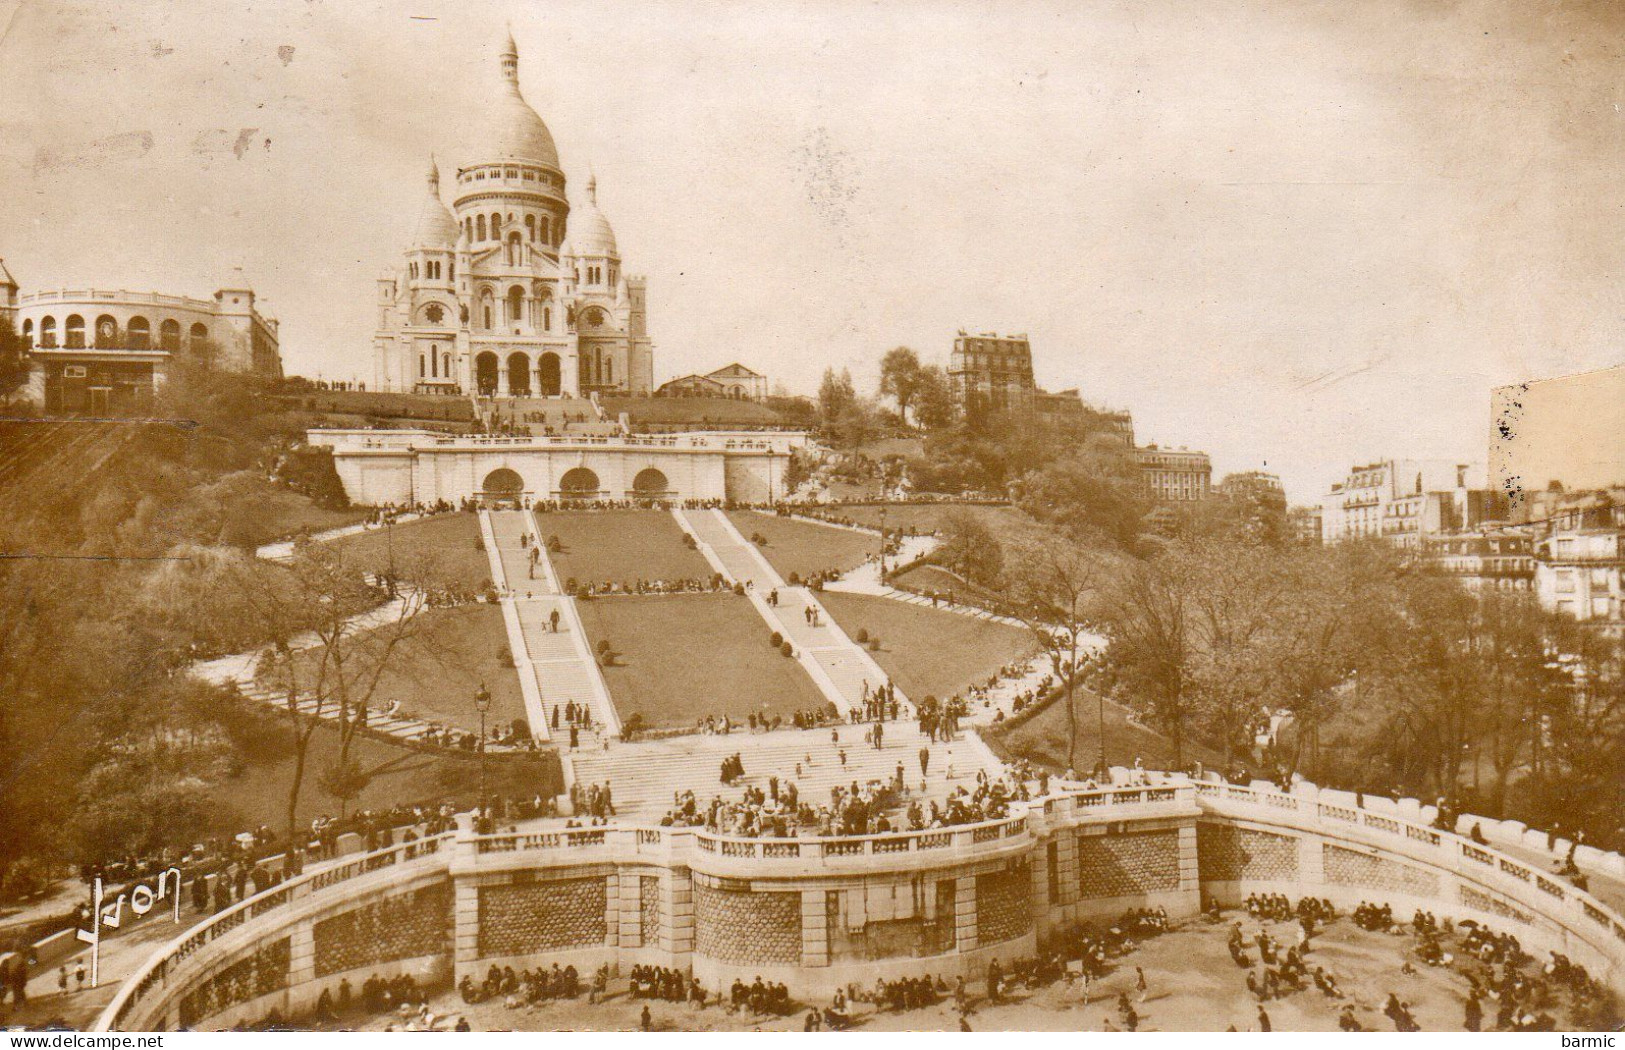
412,270
28,333
106,332
609,370
420,366
496,226
530,227
516,304
199,335
487,314
546,229
139,333
47,332
480,225
445,364
451,269
75,333
434,361
547,318
169,334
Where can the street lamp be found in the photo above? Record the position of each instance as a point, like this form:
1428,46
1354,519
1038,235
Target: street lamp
883,544
482,700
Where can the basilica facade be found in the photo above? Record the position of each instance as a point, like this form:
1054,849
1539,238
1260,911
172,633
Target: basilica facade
512,291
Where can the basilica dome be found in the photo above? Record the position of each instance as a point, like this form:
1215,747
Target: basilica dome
590,232
436,228
512,129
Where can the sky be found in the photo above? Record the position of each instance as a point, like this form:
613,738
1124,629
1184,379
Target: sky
1297,235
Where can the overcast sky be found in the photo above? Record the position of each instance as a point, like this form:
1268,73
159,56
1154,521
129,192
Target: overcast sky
1297,235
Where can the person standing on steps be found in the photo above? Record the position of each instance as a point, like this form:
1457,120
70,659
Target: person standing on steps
553,620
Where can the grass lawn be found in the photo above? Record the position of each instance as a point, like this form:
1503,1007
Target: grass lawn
622,545
928,578
928,652
400,775
803,548
438,549
436,671
1043,739
686,656
287,513
928,517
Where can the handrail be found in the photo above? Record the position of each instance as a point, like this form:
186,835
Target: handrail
159,963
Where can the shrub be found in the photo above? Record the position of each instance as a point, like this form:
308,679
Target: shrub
505,657
787,649
862,635
603,645
479,544
776,641
571,586
795,579
874,645
739,589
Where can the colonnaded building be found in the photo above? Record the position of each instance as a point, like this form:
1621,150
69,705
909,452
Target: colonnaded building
101,352
513,290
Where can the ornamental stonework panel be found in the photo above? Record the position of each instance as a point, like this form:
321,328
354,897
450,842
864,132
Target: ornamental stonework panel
1003,905
1128,865
649,909
1346,867
1230,854
1481,901
263,972
738,926
408,926
532,917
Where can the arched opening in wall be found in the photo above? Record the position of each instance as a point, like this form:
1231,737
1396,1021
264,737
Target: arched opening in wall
445,364
551,377
139,333
516,304
519,375
479,227
169,335
28,333
651,484
486,367
502,486
47,332
578,483
75,333
199,335
530,227
736,391
106,333
546,229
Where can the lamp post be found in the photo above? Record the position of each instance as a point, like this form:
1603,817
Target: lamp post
883,544
482,700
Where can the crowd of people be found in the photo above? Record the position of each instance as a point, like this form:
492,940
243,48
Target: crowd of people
525,987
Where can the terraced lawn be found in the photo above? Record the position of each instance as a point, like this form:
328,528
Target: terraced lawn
443,549
926,651
620,545
682,657
804,548
438,668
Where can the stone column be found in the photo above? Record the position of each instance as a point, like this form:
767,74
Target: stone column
1066,865
814,929
965,933
677,909
302,954
612,909
631,911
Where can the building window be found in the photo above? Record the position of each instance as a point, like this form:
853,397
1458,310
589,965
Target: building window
139,333
170,335
516,304
480,226
75,332
530,227
200,335
47,332
546,228
496,227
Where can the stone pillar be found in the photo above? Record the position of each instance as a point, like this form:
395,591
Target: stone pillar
465,950
1311,861
1066,865
631,911
301,954
814,929
965,933
677,908
1190,877
612,909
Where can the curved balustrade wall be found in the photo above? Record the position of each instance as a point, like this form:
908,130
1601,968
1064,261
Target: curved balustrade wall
817,913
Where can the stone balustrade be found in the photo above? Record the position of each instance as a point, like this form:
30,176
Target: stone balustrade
817,913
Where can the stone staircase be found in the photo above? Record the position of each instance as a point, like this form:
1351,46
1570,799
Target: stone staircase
839,666
566,415
644,776
556,667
